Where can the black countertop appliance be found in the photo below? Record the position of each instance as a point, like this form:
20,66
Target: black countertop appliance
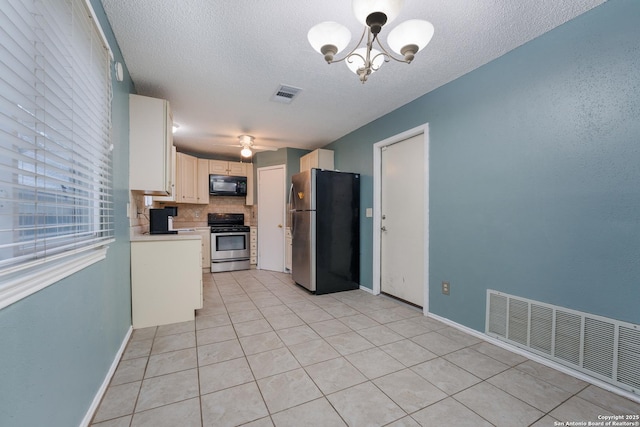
161,220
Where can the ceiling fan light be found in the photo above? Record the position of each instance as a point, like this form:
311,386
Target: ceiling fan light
356,60
329,38
245,139
245,152
416,32
363,8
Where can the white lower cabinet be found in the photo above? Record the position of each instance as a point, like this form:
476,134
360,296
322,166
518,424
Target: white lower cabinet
253,246
205,234
166,280
288,251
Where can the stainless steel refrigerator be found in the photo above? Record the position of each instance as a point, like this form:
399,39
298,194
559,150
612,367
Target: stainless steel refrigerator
325,228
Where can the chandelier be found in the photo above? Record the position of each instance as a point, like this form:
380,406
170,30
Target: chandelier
329,38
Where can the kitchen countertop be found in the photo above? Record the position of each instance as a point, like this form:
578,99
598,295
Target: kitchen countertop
182,235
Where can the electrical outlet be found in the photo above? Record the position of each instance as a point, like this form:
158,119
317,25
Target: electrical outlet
445,288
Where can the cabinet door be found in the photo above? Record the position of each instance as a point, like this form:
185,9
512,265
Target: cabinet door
150,137
313,159
249,199
202,192
237,169
305,163
187,178
321,159
166,281
172,194
325,159
218,167
288,241
205,234
253,245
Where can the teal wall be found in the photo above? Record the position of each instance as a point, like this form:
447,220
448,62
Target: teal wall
290,157
58,344
534,172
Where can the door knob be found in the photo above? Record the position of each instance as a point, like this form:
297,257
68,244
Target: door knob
279,225
383,228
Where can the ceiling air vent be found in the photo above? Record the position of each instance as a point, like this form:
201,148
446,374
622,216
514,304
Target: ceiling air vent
285,94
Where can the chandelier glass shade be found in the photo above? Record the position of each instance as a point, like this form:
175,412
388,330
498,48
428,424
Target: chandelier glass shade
363,8
330,38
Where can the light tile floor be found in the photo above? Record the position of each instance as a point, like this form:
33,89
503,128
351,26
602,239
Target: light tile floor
265,352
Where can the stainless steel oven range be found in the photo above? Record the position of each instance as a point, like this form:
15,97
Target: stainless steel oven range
229,242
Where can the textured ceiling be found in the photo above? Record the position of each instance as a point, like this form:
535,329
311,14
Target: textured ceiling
219,62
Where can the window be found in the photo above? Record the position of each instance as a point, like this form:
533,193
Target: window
56,202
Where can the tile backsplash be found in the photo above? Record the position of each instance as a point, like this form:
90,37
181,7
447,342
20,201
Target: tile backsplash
190,216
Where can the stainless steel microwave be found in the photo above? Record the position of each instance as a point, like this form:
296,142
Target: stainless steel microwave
224,185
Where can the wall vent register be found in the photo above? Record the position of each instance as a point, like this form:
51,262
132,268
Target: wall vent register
601,347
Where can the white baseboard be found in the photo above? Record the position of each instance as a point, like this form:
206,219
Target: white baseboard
539,359
107,379
363,288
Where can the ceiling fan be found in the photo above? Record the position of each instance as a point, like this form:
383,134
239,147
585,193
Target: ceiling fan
246,143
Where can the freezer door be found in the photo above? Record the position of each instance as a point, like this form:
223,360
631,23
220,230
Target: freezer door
303,262
302,191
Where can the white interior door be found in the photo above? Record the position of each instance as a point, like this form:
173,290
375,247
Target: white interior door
271,217
402,220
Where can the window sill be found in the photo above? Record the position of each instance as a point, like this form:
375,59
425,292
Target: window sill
30,281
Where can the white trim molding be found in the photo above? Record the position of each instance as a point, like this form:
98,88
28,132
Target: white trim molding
23,283
539,359
107,379
364,288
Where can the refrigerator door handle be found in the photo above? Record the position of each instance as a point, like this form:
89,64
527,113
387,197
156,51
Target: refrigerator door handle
291,197
293,222
291,210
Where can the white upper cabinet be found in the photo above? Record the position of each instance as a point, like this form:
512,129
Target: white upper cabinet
172,194
320,159
222,167
187,186
192,184
237,169
203,182
150,143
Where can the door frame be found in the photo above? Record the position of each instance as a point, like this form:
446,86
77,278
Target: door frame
377,205
284,211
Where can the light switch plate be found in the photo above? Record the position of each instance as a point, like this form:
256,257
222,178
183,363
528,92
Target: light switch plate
369,212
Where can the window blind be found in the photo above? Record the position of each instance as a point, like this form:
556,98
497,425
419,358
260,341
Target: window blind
56,197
